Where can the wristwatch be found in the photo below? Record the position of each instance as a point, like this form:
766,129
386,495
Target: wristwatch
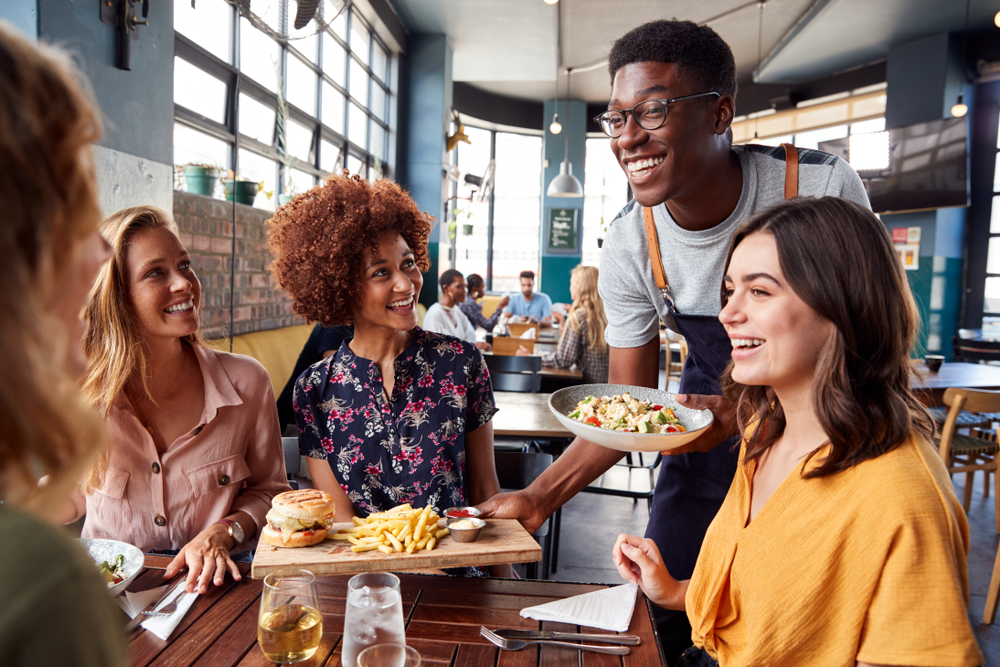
234,529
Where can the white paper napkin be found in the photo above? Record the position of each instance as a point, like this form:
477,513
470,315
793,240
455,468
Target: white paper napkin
529,334
161,626
608,609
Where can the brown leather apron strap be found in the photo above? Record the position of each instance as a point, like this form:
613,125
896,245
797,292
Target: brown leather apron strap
654,249
791,171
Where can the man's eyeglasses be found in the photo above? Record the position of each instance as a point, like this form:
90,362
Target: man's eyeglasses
649,114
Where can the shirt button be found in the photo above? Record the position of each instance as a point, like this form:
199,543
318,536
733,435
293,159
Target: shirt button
159,520
156,468
197,430
223,480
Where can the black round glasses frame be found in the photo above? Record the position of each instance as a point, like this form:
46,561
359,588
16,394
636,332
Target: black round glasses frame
604,120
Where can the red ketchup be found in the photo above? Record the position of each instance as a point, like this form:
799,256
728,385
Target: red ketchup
461,513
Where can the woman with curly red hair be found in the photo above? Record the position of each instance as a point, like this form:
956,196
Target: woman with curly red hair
398,414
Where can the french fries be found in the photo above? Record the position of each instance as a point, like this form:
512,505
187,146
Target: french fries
400,529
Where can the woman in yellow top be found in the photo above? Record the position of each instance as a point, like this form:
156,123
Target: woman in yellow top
841,541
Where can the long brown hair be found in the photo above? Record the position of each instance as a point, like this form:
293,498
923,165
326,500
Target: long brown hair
837,257
589,305
48,190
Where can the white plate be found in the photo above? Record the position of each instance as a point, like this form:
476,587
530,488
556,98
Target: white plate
565,400
107,550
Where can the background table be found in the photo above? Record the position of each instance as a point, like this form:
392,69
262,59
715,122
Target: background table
526,415
931,387
443,616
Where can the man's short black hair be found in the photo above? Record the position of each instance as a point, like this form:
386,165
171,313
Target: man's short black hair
698,51
448,278
474,280
528,274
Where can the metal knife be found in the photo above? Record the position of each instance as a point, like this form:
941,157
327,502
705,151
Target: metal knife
141,616
627,640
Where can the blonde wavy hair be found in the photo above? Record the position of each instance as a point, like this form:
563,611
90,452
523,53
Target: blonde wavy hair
48,119
588,304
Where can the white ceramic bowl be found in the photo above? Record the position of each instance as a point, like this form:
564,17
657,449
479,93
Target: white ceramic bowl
565,400
107,550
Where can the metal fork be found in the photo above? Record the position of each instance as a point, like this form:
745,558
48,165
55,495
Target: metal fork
171,606
517,644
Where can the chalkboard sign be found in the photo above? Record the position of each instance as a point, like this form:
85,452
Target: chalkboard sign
562,231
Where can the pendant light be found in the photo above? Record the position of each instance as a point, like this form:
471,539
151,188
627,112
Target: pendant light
960,109
565,184
555,127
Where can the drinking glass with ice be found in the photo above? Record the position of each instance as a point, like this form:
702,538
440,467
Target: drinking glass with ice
374,614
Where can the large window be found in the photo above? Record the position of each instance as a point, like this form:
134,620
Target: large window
991,305
335,87
605,193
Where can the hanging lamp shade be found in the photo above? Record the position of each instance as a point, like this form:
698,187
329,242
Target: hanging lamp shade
565,184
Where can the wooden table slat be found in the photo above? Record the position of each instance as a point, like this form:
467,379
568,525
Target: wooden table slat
558,656
476,655
230,647
526,415
433,651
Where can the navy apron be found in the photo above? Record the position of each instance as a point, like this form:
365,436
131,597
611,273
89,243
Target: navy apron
691,487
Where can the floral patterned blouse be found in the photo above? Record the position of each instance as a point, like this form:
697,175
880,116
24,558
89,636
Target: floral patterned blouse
409,447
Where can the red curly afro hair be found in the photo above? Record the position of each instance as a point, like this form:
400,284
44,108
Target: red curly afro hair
319,239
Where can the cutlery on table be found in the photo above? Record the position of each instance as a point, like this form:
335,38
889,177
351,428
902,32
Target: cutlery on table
171,606
518,644
629,640
142,615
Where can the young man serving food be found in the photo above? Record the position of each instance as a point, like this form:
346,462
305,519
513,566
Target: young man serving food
672,102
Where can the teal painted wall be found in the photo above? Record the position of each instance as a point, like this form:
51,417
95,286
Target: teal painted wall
428,117
22,14
555,268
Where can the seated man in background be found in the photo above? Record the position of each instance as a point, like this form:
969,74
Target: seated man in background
474,311
530,306
323,341
445,318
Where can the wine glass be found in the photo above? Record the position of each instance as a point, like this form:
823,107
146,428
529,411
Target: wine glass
290,626
374,614
389,655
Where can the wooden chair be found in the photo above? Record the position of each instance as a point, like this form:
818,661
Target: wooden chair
993,594
508,346
293,461
964,453
975,351
515,471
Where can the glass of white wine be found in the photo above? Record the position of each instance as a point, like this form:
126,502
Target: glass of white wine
290,626
389,655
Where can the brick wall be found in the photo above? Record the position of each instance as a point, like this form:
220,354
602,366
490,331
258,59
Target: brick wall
206,230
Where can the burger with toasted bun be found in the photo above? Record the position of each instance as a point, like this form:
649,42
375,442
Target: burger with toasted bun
299,518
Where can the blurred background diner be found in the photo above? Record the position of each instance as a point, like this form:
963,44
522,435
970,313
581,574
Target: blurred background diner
907,93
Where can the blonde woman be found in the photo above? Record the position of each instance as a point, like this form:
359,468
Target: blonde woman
582,342
51,254
195,454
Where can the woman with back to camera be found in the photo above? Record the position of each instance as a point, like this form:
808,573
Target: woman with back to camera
470,306
195,454
55,609
399,414
841,541
582,341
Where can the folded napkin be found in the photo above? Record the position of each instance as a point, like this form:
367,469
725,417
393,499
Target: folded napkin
529,334
608,609
161,626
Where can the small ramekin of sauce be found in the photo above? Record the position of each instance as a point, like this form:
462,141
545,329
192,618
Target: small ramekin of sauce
465,529
462,513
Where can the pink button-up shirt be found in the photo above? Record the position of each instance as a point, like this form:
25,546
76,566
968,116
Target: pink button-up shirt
232,461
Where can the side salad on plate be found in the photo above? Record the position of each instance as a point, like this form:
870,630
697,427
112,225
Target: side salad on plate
626,414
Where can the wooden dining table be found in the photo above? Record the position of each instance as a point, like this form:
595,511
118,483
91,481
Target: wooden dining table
930,387
442,614
526,415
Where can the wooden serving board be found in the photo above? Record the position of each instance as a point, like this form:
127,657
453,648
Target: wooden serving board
501,541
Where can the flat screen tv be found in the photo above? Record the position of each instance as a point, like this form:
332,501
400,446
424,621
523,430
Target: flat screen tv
928,168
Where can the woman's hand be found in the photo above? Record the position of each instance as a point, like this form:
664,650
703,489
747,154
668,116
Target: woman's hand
503,303
207,559
485,347
638,560
522,351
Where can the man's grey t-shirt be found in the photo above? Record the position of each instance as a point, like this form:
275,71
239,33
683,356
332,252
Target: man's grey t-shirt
694,261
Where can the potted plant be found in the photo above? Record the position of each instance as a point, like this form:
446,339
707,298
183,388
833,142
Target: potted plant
288,189
198,178
243,190
604,231
467,225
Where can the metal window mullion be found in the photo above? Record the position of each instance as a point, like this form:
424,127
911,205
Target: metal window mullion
490,228
198,122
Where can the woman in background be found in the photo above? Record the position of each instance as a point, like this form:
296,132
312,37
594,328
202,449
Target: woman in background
470,306
195,454
55,608
582,341
841,541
